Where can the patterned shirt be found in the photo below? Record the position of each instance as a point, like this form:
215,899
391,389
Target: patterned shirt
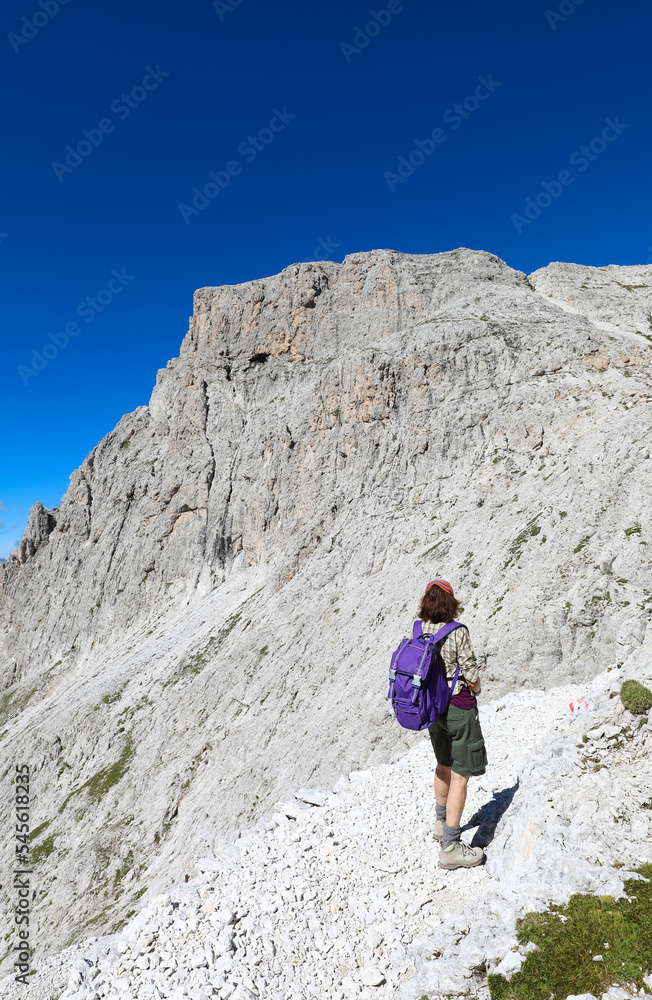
456,648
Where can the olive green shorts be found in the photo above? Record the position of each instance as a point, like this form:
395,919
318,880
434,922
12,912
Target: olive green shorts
458,742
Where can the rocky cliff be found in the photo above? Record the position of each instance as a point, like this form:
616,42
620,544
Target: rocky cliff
204,622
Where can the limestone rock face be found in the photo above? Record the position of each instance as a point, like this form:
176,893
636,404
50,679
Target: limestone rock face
619,297
205,622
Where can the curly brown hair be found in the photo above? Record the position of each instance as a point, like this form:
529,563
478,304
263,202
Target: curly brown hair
438,606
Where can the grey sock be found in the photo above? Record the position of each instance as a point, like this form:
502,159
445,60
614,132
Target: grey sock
440,811
451,834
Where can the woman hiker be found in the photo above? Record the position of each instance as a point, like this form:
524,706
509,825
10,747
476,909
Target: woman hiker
456,736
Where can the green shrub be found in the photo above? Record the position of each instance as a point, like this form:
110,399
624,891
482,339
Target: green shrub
636,697
567,938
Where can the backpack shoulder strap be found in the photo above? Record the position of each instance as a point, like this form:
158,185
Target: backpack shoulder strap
417,629
446,630
443,632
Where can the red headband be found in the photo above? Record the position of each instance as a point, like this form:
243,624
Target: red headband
442,584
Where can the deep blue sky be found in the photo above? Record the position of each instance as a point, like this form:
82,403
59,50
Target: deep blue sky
321,176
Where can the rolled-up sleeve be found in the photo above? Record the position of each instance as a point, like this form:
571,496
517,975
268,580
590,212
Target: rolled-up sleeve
466,658
455,649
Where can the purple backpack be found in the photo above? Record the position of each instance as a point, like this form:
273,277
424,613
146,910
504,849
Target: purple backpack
418,689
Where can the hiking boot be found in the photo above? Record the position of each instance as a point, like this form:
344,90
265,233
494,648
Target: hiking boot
439,829
459,855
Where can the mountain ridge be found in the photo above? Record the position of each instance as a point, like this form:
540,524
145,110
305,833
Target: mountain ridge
211,607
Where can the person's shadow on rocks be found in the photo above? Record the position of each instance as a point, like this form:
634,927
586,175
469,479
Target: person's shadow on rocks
488,816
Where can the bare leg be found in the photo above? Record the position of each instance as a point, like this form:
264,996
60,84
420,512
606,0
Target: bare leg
442,784
456,798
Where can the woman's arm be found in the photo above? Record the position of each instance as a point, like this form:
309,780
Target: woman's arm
470,672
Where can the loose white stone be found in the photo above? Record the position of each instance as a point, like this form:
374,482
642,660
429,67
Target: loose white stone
209,865
371,976
312,796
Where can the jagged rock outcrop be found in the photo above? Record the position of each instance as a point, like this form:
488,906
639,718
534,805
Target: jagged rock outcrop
204,622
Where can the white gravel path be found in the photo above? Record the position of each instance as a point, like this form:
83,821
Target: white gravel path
338,894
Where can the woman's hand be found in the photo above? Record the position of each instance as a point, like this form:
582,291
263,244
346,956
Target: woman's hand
475,686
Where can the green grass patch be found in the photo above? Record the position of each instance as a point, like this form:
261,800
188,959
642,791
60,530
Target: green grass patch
582,545
119,924
568,937
440,549
5,705
125,867
39,830
109,699
97,919
599,601
531,530
635,530
105,779
43,850
636,697
13,702
197,661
